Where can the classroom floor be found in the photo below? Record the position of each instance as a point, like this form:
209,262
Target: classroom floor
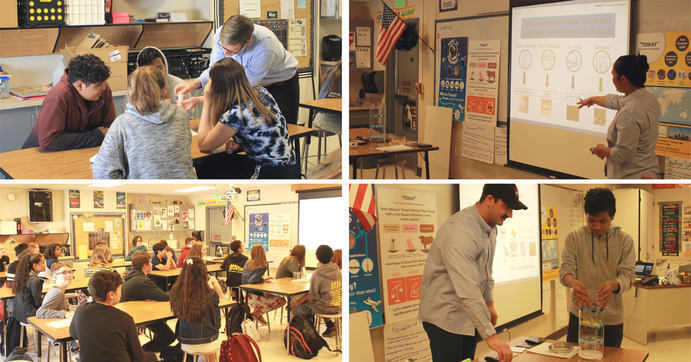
332,144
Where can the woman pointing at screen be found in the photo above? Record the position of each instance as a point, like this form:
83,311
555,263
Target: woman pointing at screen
632,135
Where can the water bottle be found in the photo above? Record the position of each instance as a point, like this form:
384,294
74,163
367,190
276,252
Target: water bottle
591,333
4,84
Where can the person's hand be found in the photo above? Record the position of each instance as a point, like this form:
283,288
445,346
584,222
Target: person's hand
189,103
503,350
103,130
213,281
268,280
232,147
187,87
601,151
605,291
580,293
585,102
492,314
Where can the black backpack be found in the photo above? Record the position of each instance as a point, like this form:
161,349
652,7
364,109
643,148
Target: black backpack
174,354
236,315
305,342
19,354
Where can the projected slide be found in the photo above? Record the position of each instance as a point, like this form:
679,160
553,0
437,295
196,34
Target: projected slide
321,222
516,256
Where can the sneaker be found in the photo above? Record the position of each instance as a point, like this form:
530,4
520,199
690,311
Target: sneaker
329,332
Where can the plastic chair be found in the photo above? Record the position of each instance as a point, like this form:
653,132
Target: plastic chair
206,350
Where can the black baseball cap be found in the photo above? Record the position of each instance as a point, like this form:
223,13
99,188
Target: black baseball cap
505,192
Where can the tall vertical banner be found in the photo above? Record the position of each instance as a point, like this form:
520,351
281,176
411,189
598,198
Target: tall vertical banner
258,232
550,245
407,224
452,73
670,228
364,289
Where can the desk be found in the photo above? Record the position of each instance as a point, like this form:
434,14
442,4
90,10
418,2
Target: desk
650,307
77,283
173,273
121,264
371,150
329,105
611,354
31,163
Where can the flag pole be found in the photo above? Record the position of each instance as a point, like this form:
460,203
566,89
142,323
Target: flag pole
403,20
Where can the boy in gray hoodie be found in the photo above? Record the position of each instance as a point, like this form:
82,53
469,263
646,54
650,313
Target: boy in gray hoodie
325,290
597,263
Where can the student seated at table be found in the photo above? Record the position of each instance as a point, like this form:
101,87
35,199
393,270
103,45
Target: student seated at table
78,110
233,264
27,286
102,329
185,250
162,258
138,286
292,263
12,267
253,273
54,302
325,291
154,57
170,250
336,258
52,253
331,88
151,139
4,261
100,260
249,115
139,245
194,301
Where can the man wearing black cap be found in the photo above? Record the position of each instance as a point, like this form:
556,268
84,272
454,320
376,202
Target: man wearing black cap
456,303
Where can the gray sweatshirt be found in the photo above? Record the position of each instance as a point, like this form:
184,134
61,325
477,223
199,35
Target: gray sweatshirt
633,135
147,146
593,260
325,289
54,304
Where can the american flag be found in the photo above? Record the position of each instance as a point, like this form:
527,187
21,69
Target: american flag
362,203
230,210
391,29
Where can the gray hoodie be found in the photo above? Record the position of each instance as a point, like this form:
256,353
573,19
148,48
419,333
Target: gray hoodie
593,260
171,80
325,289
147,146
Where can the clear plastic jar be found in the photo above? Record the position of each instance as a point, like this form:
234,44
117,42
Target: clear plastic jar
591,333
377,124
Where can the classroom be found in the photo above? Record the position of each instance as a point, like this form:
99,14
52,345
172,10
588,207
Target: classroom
263,250
122,89
519,89
419,252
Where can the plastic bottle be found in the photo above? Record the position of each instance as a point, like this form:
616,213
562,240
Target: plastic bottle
4,84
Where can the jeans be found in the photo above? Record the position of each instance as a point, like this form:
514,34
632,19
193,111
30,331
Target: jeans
449,347
163,337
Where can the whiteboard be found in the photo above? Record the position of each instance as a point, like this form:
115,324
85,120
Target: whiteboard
277,249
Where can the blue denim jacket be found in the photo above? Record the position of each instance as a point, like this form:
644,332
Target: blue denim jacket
201,332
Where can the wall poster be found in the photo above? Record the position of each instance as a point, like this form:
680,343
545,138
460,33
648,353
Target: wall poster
670,228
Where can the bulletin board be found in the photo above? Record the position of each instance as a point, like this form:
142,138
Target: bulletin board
91,228
287,212
231,7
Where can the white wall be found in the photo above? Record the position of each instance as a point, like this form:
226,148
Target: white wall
19,208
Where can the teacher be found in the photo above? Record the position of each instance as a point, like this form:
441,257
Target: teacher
266,62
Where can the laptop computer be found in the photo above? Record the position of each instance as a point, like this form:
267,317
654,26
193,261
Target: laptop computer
643,269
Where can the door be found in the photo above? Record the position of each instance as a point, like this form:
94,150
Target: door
216,225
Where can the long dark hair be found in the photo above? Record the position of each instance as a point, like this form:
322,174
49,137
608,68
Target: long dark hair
297,254
24,269
191,295
50,251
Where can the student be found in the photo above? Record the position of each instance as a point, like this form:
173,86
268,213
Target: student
194,300
12,267
53,252
4,259
292,263
198,250
54,302
27,286
102,329
170,250
233,108
162,258
138,246
331,88
185,250
597,263
336,259
325,290
154,57
78,110
151,139
138,286
263,59
253,273
100,260
234,264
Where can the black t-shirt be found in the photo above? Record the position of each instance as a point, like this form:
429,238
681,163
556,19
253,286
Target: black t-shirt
4,260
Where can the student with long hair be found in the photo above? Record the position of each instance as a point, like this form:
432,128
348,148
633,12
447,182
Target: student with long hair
27,286
52,253
138,245
151,139
100,260
249,115
253,273
197,250
194,301
292,263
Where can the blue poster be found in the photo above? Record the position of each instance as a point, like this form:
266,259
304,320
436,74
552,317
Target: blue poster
365,294
452,72
259,230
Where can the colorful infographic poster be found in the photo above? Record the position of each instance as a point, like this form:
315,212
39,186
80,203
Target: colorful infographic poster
452,73
669,58
259,230
364,289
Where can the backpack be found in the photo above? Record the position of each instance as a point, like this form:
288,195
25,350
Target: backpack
19,354
305,342
174,354
236,315
239,348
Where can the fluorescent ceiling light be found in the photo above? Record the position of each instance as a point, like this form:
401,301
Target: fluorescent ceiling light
106,183
197,188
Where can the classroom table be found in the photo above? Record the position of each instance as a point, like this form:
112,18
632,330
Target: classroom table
610,354
30,163
76,283
168,274
143,312
121,264
327,105
373,150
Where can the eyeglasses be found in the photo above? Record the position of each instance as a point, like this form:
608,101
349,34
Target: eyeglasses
230,52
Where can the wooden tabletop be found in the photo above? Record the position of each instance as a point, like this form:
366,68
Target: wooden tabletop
57,334
372,149
324,104
610,354
211,268
282,286
77,283
121,264
30,163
